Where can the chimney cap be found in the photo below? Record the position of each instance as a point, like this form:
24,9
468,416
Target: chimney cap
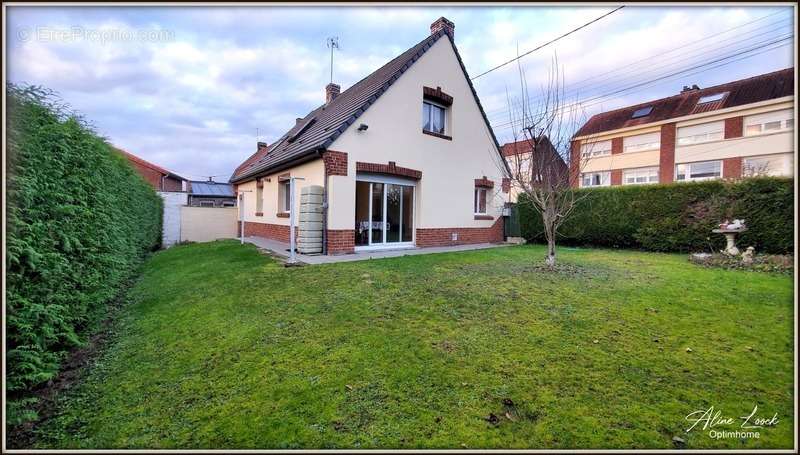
445,24
331,92
261,145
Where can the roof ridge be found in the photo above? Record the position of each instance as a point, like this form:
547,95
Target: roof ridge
691,92
143,161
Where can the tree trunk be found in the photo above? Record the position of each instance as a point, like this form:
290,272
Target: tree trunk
551,252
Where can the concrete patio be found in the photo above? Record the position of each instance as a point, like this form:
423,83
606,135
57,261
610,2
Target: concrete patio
282,249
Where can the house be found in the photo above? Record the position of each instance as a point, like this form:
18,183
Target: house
211,194
523,163
733,130
405,158
160,178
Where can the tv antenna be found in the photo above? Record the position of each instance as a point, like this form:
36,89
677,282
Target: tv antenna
332,43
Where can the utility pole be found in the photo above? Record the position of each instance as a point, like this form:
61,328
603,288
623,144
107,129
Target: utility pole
333,43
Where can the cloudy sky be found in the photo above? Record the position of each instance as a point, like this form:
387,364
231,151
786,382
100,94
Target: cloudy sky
189,88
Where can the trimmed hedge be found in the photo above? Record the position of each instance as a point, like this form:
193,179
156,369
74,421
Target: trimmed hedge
676,217
79,222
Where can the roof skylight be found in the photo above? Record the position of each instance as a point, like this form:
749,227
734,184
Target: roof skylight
711,98
642,112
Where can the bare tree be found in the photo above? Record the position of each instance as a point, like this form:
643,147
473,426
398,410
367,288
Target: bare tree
542,132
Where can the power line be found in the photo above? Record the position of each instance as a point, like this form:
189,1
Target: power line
676,58
548,43
598,99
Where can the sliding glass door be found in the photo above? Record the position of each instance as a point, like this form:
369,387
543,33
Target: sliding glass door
384,213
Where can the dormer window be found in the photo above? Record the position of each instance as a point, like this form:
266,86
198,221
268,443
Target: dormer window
642,112
711,98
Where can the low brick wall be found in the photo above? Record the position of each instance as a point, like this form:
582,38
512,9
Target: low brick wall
277,232
341,241
427,237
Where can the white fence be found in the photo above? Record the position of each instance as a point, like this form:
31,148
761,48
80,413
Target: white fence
206,224
171,230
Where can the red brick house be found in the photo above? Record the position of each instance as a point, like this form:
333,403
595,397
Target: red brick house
733,130
160,178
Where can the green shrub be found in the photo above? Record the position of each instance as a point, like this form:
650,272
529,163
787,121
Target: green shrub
676,217
79,222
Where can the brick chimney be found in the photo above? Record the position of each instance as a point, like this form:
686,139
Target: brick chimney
331,92
444,24
261,146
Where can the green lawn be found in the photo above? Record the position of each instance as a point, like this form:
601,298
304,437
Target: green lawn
221,347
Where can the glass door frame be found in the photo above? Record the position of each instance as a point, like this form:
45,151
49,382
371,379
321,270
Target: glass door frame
387,180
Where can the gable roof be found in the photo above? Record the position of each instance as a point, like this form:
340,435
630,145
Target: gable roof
745,91
155,167
323,125
215,189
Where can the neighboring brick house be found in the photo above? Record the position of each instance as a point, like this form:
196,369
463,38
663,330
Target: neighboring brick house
406,158
733,130
211,194
521,161
160,178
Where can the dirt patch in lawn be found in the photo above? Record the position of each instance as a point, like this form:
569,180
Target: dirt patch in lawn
73,369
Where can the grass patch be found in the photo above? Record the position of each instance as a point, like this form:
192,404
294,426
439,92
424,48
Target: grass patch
223,348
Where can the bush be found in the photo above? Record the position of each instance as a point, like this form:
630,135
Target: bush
676,217
79,222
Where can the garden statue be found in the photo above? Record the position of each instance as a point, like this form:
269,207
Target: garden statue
729,230
747,256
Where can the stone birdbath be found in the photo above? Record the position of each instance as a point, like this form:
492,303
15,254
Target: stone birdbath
729,230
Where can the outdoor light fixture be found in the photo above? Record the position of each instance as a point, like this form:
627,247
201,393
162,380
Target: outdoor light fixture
363,127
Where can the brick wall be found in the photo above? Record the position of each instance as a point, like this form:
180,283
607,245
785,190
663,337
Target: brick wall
335,162
428,237
732,168
575,164
616,177
734,127
616,145
277,232
152,176
340,241
666,162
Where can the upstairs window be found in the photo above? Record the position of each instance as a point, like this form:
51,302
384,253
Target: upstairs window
705,132
641,142
642,112
433,117
594,149
768,122
640,176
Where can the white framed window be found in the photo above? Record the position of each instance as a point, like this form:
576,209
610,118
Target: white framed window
594,149
206,203
479,201
705,132
704,170
768,165
228,204
641,142
640,176
768,122
285,196
590,179
433,117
